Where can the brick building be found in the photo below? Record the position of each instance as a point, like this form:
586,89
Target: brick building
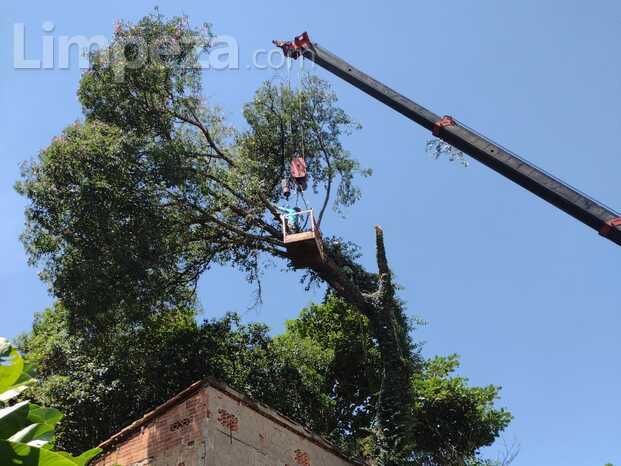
210,424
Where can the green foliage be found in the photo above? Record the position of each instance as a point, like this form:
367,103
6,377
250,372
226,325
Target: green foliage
26,429
14,374
437,148
136,368
453,420
25,455
345,362
324,370
284,121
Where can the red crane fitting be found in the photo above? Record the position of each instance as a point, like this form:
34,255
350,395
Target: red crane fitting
443,122
609,226
293,49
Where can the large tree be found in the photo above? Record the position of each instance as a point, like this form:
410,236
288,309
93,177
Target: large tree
130,206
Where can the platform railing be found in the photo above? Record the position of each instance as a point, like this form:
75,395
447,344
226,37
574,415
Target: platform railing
302,224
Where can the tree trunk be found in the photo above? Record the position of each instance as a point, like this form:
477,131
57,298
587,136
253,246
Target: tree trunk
393,415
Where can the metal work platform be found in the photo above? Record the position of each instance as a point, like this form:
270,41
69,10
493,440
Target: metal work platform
302,239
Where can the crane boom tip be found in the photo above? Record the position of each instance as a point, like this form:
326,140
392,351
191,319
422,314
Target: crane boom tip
295,47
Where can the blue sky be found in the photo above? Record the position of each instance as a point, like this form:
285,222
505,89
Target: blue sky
527,295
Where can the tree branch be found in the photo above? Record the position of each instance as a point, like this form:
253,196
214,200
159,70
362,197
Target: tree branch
203,129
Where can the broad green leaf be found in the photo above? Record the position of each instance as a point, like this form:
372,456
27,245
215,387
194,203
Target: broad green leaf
29,371
26,374
35,435
13,419
11,365
26,429
20,454
14,391
85,457
43,415
21,384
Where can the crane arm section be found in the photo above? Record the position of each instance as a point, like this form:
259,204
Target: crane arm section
580,206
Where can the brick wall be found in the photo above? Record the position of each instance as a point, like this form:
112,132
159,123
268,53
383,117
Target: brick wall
174,437
216,426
